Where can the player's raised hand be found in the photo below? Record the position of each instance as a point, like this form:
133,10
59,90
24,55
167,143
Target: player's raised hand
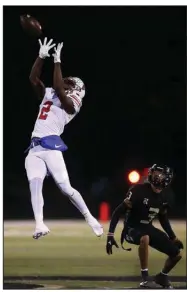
110,242
45,47
57,53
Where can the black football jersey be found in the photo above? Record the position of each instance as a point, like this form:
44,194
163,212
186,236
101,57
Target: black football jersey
145,204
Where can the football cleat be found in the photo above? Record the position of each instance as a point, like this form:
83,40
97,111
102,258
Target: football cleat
40,231
163,281
148,285
95,225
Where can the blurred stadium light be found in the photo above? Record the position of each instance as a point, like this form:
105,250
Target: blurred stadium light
134,177
137,176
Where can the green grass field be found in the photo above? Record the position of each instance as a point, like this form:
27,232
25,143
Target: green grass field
72,250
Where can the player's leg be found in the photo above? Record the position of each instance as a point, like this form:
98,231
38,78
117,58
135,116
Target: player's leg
56,165
141,238
160,241
36,172
143,252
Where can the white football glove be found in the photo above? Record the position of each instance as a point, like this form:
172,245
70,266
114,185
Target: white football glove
44,49
57,53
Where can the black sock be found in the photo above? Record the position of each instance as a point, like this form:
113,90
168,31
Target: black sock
145,274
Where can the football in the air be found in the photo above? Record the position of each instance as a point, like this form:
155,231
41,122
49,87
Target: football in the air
31,25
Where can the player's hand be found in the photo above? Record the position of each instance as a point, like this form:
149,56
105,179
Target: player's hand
57,53
178,243
44,49
110,242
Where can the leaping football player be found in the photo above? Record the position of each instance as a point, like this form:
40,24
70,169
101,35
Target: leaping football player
59,105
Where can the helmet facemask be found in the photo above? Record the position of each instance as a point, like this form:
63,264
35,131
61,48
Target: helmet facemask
160,177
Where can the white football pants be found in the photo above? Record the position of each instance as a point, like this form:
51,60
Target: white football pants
37,162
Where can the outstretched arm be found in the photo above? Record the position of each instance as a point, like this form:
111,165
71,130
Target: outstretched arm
36,70
127,204
58,83
121,209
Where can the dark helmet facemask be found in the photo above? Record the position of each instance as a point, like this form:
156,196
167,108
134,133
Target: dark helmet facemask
160,176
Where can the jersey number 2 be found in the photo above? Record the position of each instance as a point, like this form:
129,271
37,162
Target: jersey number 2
45,109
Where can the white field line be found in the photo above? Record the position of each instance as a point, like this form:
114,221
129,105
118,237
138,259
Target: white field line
64,228
19,233
16,223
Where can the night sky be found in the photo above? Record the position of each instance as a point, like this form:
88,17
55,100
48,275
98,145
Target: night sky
132,60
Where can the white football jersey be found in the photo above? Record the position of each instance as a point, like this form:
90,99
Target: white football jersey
52,118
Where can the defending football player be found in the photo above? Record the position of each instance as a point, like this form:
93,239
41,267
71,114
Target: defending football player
144,203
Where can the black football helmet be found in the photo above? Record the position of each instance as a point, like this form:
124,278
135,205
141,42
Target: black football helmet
160,176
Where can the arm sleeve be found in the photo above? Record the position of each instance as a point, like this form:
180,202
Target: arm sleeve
130,199
121,209
164,222
169,198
